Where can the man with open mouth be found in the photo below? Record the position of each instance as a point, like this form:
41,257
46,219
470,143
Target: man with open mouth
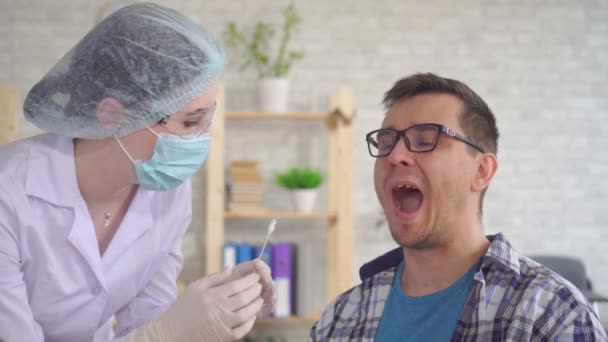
435,156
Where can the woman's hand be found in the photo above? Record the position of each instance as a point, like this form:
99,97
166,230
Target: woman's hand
221,307
268,286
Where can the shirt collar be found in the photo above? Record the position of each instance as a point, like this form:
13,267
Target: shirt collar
501,254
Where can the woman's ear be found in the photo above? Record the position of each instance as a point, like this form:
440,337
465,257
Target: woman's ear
110,112
486,169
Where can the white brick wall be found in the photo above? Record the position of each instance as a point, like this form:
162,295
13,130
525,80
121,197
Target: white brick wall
541,65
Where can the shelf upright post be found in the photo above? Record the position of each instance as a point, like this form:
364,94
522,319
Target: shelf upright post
214,190
8,105
340,235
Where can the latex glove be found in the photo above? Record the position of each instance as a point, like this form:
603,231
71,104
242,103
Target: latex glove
221,307
268,286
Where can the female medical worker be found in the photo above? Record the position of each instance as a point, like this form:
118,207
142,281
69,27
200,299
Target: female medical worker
92,214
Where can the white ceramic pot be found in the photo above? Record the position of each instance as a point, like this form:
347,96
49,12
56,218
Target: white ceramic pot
273,94
303,200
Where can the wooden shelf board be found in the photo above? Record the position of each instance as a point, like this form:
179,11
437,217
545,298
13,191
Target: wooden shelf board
277,116
289,320
277,214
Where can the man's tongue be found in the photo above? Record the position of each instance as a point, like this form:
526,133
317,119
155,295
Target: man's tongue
408,201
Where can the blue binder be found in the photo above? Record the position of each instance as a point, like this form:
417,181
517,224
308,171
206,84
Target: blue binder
266,256
244,253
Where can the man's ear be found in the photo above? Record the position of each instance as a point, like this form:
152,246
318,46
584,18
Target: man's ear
110,112
487,165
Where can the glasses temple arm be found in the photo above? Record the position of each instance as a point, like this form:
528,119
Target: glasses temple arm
464,140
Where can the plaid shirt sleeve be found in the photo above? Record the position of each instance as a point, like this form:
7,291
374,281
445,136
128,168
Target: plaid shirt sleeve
517,299
531,308
584,326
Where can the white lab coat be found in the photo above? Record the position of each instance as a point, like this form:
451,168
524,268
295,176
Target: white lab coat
54,285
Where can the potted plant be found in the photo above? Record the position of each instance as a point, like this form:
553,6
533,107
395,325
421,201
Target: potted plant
303,184
272,68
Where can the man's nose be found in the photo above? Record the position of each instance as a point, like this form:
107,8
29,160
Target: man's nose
401,154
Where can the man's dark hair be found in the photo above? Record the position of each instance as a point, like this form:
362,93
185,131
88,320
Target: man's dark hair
477,120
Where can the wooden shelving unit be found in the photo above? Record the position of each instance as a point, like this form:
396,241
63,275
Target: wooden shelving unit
338,120
276,116
278,214
8,113
293,320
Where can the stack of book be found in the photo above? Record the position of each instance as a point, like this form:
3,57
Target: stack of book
246,186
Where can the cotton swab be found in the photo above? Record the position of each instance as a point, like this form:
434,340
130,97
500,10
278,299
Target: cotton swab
271,226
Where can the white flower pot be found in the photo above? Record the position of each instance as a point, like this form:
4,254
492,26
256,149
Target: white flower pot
273,94
303,200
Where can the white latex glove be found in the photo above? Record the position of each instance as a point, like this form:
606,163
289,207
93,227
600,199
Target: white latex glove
220,307
268,286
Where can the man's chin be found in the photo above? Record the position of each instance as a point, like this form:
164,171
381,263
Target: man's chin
415,240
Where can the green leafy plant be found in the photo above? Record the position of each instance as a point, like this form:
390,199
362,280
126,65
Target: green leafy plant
299,178
256,50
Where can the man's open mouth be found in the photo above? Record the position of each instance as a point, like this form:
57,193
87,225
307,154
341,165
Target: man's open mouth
407,199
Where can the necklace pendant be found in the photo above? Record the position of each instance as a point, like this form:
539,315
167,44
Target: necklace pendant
106,219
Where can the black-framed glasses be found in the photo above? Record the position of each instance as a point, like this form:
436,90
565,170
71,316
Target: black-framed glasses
418,138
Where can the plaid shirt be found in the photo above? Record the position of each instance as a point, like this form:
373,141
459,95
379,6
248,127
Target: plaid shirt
514,299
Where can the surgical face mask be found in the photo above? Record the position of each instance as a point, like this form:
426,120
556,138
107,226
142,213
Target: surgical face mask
175,159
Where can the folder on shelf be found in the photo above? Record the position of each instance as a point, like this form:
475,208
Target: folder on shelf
244,253
229,255
283,271
306,283
266,255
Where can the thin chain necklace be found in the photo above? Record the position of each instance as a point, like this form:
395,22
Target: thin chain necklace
107,217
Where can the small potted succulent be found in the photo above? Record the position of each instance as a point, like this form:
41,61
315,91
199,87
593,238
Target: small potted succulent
303,184
272,67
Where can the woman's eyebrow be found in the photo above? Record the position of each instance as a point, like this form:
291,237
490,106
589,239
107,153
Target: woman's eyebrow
202,110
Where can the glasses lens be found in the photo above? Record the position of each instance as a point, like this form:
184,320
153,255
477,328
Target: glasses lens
190,125
381,142
422,137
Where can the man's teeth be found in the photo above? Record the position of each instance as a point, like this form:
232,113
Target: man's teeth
405,186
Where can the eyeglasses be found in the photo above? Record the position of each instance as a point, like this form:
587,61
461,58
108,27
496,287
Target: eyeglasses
418,138
189,125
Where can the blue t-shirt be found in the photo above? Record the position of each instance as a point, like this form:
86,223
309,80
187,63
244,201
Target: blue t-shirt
426,318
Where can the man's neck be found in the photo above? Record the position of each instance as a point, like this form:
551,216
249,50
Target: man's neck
431,270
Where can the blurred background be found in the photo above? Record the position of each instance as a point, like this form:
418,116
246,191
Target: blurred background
541,65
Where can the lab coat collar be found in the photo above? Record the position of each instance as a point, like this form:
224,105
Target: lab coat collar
51,172
51,176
